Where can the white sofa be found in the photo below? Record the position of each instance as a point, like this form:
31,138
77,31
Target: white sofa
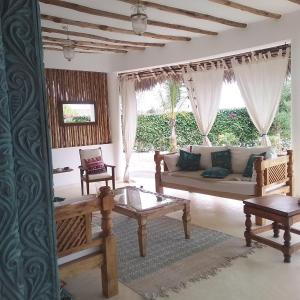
273,175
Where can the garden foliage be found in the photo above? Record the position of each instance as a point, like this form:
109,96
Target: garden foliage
232,127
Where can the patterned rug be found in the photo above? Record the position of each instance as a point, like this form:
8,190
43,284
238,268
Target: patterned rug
171,260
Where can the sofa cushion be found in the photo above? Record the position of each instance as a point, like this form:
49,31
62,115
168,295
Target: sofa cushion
215,172
233,183
248,172
171,161
188,161
240,156
205,152
221,159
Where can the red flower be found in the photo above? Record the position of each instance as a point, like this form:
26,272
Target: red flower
232,115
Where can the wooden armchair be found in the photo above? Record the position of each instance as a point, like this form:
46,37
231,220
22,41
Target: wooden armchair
78,250
86,177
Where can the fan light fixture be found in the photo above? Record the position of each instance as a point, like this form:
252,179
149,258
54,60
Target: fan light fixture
68,47
139,18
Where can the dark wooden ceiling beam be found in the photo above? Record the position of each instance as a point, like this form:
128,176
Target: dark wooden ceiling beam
100,38
112,29
247,8
188,13
106,14
85,47
295,1
89,43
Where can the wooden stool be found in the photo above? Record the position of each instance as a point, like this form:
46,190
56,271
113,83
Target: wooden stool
284,211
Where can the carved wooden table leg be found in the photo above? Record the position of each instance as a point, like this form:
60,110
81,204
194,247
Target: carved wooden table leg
275,229
287,244
186,219
247,232
142,235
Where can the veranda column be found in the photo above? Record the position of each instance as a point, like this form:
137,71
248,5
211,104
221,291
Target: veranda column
115,122
28,267
296,111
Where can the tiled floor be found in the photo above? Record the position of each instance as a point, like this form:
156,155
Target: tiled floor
262,275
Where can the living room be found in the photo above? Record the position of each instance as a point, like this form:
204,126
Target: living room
199,249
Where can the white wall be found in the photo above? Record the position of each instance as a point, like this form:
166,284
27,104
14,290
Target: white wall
82,62
296,110
69,157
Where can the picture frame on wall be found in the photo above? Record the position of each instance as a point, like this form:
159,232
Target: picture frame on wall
77,113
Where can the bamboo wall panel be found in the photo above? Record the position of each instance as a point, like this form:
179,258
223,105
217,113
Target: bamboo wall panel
79,86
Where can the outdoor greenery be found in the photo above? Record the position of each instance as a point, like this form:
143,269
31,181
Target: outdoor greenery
232,126
80,119
171,101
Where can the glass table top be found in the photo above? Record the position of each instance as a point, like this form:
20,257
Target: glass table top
140,200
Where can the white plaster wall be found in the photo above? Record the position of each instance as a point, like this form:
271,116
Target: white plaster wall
69,157
100,62
296,111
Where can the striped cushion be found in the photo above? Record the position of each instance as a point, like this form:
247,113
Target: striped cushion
95,165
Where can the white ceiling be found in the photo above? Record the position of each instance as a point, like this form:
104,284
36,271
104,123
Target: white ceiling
203,6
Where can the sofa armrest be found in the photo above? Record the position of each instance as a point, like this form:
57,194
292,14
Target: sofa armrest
275,172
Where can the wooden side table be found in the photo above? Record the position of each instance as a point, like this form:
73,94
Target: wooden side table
284,211
62,170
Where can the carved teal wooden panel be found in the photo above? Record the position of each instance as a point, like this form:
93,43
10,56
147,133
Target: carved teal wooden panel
28,268
11,286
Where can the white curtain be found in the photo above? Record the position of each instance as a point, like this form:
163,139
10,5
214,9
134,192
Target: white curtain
260,81
204,89
129,111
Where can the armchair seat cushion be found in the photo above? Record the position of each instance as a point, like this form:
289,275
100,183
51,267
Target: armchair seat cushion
98,176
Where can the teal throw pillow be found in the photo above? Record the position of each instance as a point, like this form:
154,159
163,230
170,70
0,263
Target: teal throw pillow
249,167
221,159
188,161
216,172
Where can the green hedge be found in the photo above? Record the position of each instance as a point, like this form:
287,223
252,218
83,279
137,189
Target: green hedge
232,126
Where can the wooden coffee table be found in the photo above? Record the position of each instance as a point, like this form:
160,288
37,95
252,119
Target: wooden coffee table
143,206
284,211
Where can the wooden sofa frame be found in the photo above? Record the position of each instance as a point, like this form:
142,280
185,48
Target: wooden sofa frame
269,173
74,234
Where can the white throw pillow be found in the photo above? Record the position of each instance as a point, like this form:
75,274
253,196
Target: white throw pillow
205,151
240,156
171,161
271,154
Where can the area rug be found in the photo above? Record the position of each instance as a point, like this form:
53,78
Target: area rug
171,261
